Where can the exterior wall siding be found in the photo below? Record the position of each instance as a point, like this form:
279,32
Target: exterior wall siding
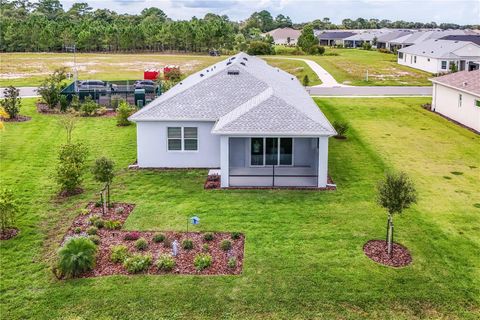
445,101
152,146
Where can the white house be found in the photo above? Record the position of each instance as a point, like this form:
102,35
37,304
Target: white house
437,56
285,36
253,121
457,96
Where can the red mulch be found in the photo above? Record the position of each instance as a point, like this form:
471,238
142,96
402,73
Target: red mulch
377,251
9,233
184,259
18,118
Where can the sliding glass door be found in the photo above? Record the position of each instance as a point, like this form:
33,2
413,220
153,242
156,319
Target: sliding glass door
271,151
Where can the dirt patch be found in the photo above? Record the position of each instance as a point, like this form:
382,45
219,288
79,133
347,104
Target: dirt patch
65,193
184,259
377,251
9,233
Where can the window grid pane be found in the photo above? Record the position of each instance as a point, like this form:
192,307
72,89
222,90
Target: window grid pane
190,132
286,151
190,144
174,144
174,132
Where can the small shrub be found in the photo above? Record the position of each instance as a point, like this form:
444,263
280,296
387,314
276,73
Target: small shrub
235,235
94,218
92,231
187,244
119,210
165,262
77,230
98,204
305,81
167,243
71,165
101,111
137,263
100,223
95,239
75,103
205,247
208,236
341,127
132,236
124,111
89,107
232,262
119,253
141,244
11,102
63,103
226,245
77,256
159,237
84,211
202,261
113,224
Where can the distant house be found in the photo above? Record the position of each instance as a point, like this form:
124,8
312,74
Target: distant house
383,41
357,40
333,37
467,38
285,36
421,36
253,121
438,56
457,96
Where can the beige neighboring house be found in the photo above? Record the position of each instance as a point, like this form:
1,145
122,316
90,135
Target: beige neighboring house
285,36
457,96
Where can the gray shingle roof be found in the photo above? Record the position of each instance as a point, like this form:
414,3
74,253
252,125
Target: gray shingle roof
329,35
468,81
259,99
440,48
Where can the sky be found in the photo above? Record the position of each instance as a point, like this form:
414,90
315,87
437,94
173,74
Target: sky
453,11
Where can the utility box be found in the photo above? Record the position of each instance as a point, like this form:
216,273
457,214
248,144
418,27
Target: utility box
139,98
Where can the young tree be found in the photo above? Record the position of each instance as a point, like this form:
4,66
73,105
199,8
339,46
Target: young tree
8,209
124,111
305,80
68,122
71,166
11,102
395,193
102,171
50,88
307,39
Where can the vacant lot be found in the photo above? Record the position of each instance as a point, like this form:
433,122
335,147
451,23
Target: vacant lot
351,66
303,250
29,69
295,67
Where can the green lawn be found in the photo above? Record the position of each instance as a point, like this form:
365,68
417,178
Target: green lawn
303,256
350,67
29,69
296,68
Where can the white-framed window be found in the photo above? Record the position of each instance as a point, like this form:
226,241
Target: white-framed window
477,103
415,59
271,151
400,55
459,100
444,65
182,138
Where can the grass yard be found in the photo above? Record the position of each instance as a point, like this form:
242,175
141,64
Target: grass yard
303,250
29,69
296,68
351,65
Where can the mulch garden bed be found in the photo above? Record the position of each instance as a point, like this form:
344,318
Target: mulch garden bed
377,251
184,258
18,118
43,108
9,233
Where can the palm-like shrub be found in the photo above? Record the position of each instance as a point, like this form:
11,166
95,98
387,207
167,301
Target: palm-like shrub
341,127
77,256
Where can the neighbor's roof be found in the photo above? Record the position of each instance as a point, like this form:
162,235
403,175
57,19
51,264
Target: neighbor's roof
386,37
243,95
365,36
469,38
284,33
335,35
439,48
468,81
422,36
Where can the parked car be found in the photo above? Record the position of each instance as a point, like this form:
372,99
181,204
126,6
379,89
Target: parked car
98,85
214,53
148,85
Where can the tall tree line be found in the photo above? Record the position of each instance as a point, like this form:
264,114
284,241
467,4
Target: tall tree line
46,26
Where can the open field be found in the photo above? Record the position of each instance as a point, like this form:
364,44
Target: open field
351,65
303,255
29,69
297,68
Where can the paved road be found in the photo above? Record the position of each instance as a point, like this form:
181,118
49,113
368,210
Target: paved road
25,92
370,91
